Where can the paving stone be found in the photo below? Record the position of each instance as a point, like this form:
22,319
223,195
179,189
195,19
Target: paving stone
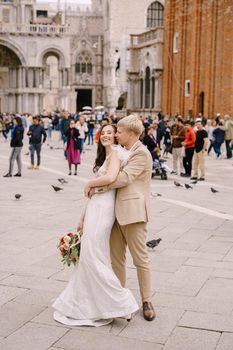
192,339
4,275
212,246
34,283
83,340
36,297
14,315
192,239
157,331
31,336
225,342
187,280
210,263
166,264
229,256
212,322
9,293
62,275
196,303
222,273
218,288
192,254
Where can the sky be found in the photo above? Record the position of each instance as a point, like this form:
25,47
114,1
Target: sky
68,1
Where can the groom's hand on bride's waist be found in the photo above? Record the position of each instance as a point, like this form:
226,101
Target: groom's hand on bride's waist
95,190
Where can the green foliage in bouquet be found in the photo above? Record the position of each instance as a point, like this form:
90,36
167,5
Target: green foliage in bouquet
70,247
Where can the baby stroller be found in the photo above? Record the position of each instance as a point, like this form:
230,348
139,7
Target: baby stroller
159,166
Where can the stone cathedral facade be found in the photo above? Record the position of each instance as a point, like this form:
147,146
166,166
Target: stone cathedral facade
67,57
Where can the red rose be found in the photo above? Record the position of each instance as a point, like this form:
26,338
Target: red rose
62,240
70,234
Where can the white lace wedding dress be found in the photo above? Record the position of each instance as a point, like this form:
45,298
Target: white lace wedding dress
94,295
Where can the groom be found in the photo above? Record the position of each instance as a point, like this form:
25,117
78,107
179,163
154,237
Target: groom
132,202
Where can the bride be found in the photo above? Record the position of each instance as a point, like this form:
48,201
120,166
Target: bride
94,295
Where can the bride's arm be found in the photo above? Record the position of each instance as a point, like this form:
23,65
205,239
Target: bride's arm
111,175
81,219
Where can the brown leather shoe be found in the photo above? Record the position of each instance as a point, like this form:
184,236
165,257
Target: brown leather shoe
148,311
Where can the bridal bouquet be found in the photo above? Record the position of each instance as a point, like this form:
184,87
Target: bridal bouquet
70,246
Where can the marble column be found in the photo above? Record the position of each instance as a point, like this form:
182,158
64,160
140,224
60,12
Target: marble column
144,93
26,102
10,77
14,78
60,78
19,103
158,93
23,77
19,76
36,104
37,77
30,77
151,93
42,77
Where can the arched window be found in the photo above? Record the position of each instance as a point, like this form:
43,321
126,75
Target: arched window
153,93
83,63
155,13
147,87
51,77
141,93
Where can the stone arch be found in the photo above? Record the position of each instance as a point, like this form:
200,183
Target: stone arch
17,51
53,51
122,101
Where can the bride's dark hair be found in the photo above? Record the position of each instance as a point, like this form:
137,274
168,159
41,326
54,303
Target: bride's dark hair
101,152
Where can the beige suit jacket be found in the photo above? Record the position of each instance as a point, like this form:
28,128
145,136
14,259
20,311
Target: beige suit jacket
133,187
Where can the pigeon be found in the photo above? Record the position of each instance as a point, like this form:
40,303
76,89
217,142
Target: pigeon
62,181
194,182
177,184
56,188
188,186
213,190
18,195
153,243
156,194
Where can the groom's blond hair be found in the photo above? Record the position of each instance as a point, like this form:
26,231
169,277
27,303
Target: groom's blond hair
132,123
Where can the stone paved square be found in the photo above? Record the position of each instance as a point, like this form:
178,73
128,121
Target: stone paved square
192,268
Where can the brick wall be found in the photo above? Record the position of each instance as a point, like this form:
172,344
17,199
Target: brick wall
204,57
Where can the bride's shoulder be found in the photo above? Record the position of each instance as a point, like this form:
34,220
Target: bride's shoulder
121,152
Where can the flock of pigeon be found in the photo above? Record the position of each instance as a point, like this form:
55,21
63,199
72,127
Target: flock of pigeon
56,188
187,186
150,244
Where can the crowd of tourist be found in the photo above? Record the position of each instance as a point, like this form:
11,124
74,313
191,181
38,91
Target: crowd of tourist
187,140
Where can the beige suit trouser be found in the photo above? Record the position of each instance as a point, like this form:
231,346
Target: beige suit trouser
133,235
199,162
177,159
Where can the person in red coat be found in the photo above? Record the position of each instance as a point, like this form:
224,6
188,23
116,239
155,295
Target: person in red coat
189,144
73,148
